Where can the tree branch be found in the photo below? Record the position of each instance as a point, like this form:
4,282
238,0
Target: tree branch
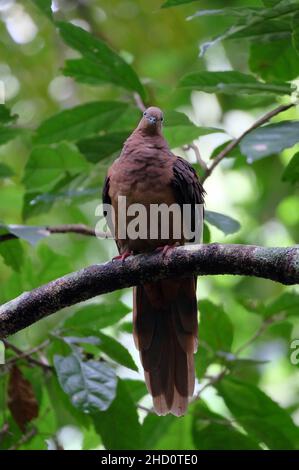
234,143
277,264
80,229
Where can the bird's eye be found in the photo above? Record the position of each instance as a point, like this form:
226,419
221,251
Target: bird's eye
162,118
144,114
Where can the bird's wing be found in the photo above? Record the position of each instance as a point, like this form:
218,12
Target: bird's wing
187,188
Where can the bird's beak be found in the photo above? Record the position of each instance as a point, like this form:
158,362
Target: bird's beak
152,119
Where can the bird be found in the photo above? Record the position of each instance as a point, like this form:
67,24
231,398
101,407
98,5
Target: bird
165,314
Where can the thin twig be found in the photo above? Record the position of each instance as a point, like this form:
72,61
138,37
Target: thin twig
80,229
262,328
196,151
25,438
139,103
234,143
27,355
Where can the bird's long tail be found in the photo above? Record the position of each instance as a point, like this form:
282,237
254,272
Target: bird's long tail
165,332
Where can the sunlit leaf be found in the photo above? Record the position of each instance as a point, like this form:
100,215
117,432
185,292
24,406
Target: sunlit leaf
231,82
99,61
79,122
48,165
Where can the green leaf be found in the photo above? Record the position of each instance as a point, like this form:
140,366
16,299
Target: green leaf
136,388
236,12
154,428
286,304
45,7
296,31
216,329
174,3
291,173
116,351
5,171
5,115
119,427
91,385
12,253
99,60
97,148
97,315
30,234
267,31
270,140
275,60
212,431
258,414
253,22
48,165
231,82
179,130
271,3
234,153
226,224
79,122
7,134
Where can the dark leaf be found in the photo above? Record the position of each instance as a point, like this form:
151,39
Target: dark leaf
116,351
119,427
174,3
226,224
270,140
21,399
5,171
97,148
44,6
13,254
258,414
212,431
5,115
274,60
91,385
8,133
216,329
291,173
154,428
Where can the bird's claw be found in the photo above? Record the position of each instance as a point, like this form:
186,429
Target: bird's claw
166,249
123,256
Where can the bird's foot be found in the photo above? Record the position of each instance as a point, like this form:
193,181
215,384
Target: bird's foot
166,249
123,256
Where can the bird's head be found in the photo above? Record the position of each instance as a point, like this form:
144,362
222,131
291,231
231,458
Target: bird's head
151,121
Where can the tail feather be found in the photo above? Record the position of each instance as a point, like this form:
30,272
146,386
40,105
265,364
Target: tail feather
165,332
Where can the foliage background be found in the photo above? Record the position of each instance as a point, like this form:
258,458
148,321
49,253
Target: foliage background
46,181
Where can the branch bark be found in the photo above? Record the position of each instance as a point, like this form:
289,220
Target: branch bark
276,264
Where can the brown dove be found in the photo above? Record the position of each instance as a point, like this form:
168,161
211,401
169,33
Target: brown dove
165,312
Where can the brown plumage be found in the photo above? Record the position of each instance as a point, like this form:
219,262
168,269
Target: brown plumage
165,312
